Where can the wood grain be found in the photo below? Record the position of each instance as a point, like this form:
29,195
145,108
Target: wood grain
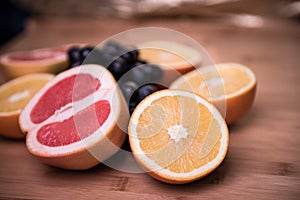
263,160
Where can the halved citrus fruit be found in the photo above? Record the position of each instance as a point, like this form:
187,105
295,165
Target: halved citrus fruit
174,58
177,136
231,87
46,60
76,120
14,95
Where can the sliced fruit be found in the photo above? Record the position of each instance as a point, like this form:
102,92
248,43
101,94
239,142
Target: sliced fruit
177,136
76,120
15,94
47,60
175,58
231,87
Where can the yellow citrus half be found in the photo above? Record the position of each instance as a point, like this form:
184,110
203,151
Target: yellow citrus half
231,87
14,95
174,58
177,136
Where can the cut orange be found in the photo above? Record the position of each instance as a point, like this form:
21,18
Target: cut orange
174,58
177,136
15,94
231,87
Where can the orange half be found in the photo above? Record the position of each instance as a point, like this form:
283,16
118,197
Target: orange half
15,94
174,58
177,136
231,87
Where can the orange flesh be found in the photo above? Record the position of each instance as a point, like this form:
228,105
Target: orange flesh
188,152
160,56
217,83
16,98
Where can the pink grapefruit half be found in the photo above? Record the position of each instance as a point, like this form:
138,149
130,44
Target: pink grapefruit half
76,120
44,60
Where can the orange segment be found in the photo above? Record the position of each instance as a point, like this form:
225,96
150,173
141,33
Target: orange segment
15,94
230,87
188,141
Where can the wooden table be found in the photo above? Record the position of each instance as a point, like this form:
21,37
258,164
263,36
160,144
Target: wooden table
263,161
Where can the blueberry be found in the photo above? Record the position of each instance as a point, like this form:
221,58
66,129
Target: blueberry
74,54
153,72
138,75
128,88
118,68
75,64
129,57
84,52
96,56
144,91
132,106
113,48
142,62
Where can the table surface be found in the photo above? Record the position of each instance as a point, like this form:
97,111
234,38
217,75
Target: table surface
263,161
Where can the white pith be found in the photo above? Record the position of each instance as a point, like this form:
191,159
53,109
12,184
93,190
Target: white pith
150,164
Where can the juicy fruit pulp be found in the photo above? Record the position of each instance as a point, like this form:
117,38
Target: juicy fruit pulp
15,94
76,120
16,98
231,87
177,136
47,60
66,132
73,88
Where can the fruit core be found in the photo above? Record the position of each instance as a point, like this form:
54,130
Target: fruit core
177,132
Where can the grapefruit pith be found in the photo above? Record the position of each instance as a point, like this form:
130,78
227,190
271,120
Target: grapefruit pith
76,120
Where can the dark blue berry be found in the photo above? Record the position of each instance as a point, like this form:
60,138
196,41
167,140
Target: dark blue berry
129,57
128,88
153,72
113,48
84,52
118,68
144,91
74,54
138,75
75,64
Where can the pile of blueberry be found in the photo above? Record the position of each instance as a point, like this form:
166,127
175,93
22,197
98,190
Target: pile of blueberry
136,78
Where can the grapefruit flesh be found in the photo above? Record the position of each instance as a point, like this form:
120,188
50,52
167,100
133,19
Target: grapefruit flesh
66,132
52,100
76,121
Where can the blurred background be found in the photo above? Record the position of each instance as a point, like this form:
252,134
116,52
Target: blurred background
246,13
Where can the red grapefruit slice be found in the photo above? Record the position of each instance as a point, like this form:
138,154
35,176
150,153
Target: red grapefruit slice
50,60
76,120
